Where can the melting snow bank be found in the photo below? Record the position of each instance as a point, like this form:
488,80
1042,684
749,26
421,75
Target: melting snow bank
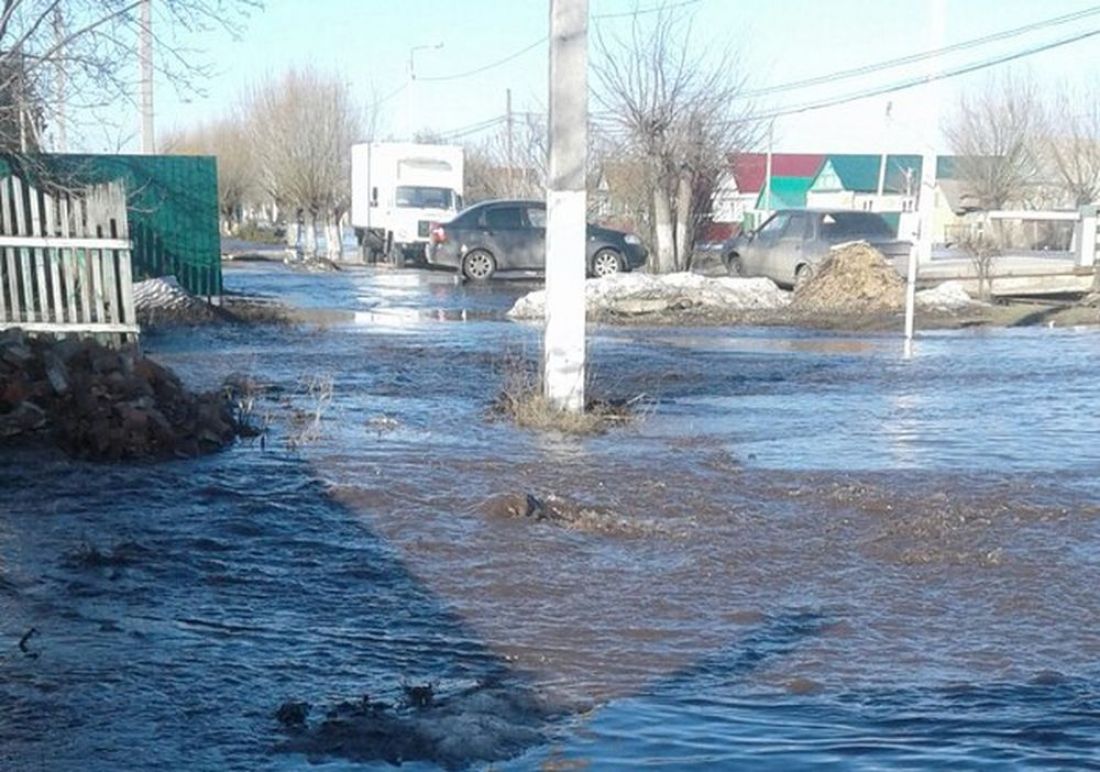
949,296
629,294
634,294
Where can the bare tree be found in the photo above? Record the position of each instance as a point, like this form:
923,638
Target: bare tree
1073,144
509,163
229,142
996,131
84,53
302,126
677,105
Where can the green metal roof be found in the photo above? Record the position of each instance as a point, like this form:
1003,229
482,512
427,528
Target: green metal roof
786,193
859,173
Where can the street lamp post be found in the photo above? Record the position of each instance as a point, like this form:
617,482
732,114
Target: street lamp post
412,78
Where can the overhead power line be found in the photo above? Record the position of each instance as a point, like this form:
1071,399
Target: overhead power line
644,11
483,68
543,40
921,80
922,56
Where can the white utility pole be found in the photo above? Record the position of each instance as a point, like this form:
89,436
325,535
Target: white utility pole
922,252
148,145
563,354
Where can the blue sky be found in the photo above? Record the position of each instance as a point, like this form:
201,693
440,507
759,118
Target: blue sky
368,43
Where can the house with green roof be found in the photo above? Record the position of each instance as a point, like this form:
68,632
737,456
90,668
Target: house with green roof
874,183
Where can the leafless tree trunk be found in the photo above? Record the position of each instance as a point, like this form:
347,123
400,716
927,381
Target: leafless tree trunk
90,46
302,126
996,132
679,106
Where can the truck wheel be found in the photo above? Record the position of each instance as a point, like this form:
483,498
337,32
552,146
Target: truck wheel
478,265
396,256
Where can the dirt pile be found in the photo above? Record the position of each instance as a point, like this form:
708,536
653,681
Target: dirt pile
854,278
98,403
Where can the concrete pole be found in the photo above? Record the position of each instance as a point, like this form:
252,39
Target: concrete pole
563,353
148,144
509,141
922,252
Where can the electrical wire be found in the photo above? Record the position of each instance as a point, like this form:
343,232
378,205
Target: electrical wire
919,81
644,11
922,56
542,40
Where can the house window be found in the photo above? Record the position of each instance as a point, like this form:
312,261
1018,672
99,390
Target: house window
868,205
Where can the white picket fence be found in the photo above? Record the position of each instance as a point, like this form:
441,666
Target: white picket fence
65,260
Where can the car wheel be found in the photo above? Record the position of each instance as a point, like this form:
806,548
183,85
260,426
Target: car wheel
606,262
478,265
802,274
734,267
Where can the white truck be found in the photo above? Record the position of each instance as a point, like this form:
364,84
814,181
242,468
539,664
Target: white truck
398,190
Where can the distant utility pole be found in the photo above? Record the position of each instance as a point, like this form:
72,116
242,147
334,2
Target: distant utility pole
509,141
926,204
563,354
410,99
148,145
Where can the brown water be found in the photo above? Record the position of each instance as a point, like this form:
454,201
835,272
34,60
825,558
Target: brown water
810,553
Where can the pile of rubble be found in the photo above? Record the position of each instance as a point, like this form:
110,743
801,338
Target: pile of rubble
99,403
854,278
632,294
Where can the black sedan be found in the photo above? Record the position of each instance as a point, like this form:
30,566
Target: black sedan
511,235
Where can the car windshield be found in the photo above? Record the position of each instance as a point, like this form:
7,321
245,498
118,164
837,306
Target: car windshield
850,225
415,197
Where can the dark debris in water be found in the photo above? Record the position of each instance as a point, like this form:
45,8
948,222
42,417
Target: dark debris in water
486,723
556,510
89,556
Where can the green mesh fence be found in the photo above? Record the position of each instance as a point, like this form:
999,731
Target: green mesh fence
172,204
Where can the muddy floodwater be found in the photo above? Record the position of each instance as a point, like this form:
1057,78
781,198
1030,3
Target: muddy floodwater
807,553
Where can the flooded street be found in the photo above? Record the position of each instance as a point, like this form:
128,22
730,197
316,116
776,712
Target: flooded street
808,552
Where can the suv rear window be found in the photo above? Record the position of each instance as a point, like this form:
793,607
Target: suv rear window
851,225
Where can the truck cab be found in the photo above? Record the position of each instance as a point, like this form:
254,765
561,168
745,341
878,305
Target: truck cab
398,191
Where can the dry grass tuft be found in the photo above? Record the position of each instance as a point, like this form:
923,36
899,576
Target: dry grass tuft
521,400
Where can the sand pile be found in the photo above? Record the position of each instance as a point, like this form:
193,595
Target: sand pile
854,278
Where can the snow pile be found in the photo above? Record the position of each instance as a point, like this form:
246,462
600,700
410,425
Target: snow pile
854,278
163,300
631,294
164,292
949,296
